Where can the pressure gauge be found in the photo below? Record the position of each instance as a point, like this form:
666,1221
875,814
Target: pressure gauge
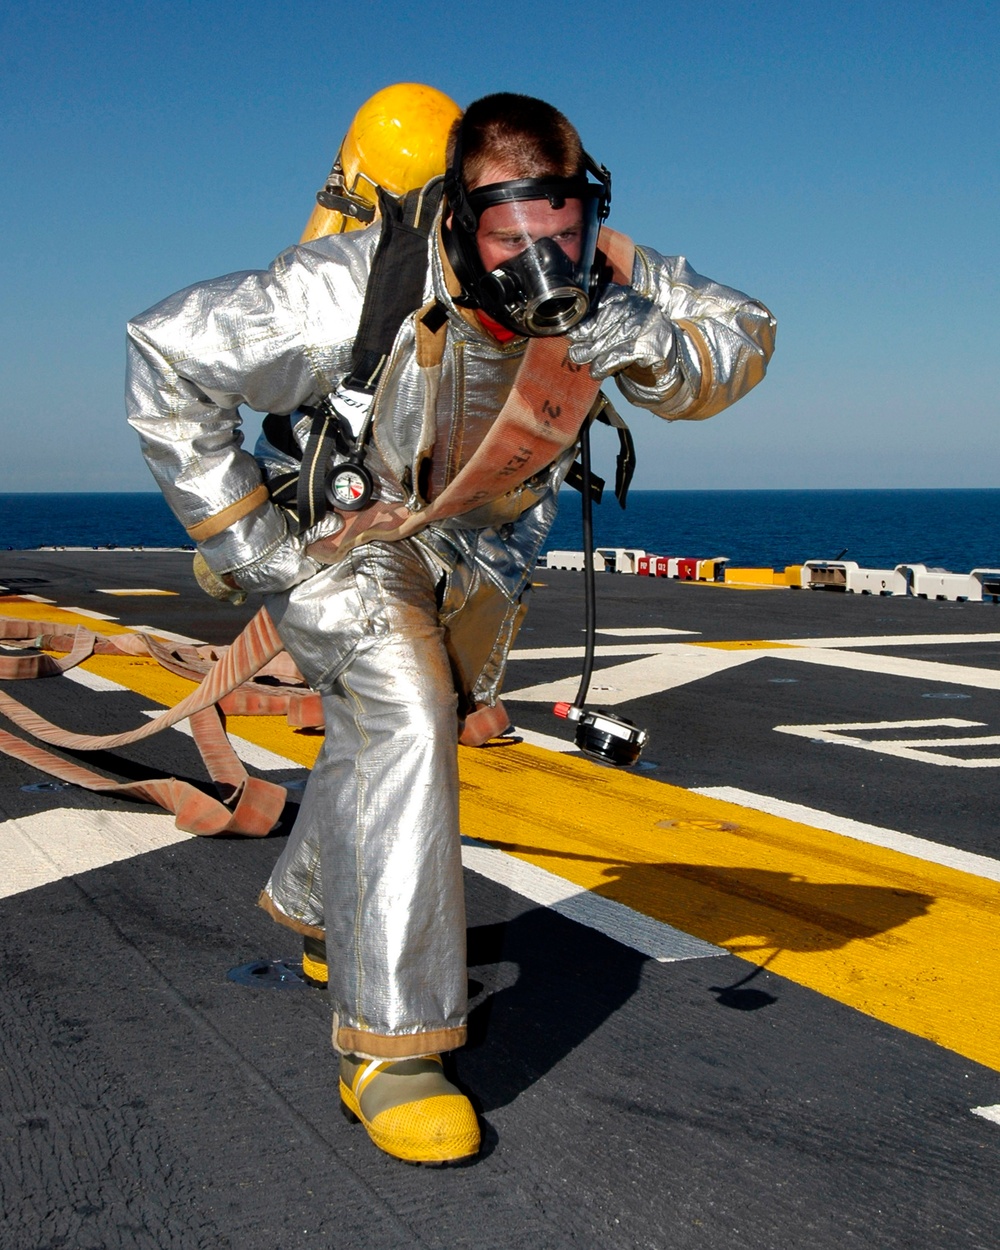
349,487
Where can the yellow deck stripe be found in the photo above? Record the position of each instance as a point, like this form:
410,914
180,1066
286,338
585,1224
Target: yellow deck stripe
740,585
27,610
126,593
905,941
146,677
746,644
908,942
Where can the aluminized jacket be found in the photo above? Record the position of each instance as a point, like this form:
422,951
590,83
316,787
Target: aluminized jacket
390,633
283,337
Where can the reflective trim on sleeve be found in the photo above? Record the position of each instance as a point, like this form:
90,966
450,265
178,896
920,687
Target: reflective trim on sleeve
706,384
212,525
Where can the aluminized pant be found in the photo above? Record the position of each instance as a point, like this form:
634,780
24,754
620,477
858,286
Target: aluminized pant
375,854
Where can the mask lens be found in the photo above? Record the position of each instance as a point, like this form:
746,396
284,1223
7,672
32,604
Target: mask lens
539,255
506,230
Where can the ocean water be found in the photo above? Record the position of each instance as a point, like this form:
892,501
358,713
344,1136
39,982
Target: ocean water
952,529
957,530
88,520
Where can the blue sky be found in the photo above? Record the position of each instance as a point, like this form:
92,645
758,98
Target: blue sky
838,162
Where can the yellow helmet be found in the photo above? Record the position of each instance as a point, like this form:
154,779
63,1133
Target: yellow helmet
396,141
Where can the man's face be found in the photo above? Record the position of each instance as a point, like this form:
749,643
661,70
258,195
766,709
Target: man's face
505,230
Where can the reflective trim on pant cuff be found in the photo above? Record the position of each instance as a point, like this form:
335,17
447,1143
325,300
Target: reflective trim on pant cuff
267,903
398,1046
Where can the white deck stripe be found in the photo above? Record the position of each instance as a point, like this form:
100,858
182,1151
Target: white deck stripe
93,681
602,649
906,748
893,666
249,752
662,666
988,1113
919,848
166,633
666,665
563,745
615,920
643,631
97,616
48,846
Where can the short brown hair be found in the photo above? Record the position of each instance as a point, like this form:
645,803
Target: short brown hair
528,137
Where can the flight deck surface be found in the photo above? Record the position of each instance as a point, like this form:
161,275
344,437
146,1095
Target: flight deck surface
745,995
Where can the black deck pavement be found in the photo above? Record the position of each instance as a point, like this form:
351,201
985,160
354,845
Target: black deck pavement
148,1101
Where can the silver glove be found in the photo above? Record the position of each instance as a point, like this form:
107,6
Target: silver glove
284,562
626,329
218,587
279,570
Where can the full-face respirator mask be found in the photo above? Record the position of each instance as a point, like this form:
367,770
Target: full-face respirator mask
539,236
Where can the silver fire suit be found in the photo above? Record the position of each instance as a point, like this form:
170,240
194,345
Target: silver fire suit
399,638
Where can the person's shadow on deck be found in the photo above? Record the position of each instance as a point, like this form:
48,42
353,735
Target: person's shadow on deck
541,984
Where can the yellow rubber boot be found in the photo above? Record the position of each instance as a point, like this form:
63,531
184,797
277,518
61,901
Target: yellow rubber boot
314,965
409,1109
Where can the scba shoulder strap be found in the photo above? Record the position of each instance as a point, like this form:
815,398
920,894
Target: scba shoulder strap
397,279
395,289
